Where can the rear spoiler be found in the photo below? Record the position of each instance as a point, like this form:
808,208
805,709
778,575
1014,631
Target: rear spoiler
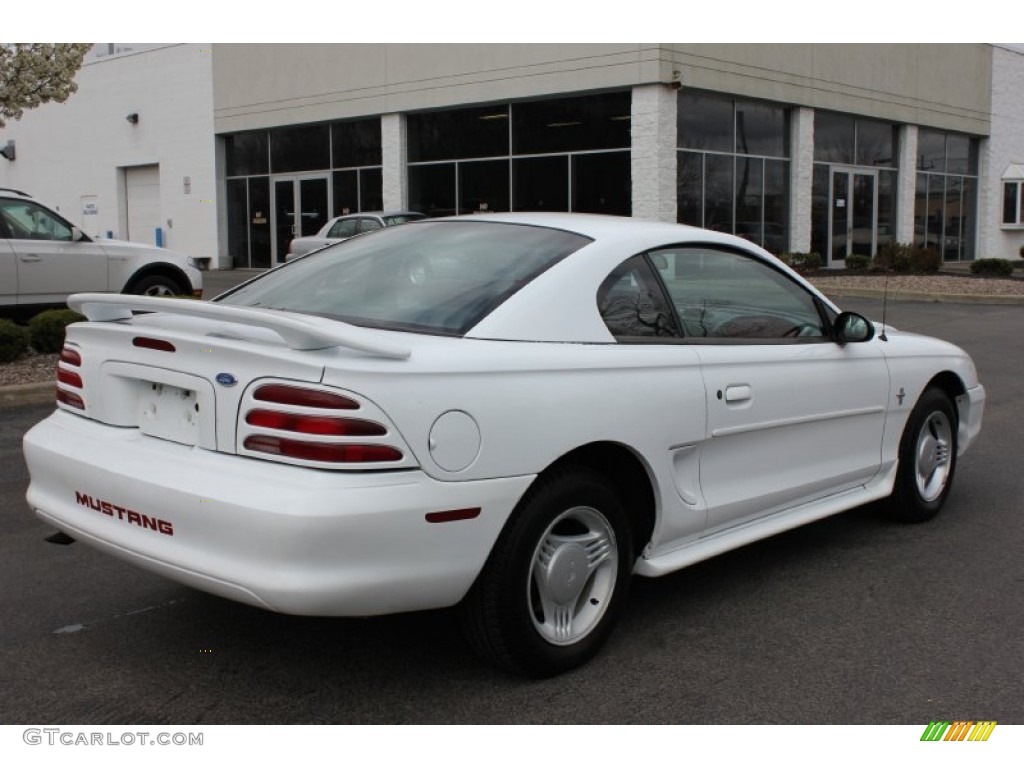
302,332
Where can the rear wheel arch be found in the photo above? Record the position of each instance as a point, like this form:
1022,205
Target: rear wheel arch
627,473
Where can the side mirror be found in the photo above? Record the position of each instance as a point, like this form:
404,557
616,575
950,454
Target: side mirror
77,235
851,328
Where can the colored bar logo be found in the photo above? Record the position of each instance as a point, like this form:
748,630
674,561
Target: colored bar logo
959,730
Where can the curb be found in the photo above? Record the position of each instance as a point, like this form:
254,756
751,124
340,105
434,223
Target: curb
938,298
17,395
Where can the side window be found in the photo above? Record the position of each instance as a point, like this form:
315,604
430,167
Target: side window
27,221
368,225
723,294
343,228
632,303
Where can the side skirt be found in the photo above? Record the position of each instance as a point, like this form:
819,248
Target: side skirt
660,563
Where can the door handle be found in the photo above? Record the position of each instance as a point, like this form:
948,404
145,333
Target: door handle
31,257
738,393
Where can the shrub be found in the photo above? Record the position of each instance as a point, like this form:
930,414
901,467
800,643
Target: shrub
46,330
13,341
857,261
907,258
802,262
992,267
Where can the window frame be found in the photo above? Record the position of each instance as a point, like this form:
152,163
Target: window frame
1018,223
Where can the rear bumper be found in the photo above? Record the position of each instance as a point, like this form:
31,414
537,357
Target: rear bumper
289,539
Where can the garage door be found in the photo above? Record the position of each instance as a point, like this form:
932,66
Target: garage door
142,191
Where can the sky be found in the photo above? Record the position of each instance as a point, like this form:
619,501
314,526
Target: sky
522,21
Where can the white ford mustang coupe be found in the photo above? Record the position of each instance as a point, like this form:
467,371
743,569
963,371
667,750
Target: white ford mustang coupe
512,413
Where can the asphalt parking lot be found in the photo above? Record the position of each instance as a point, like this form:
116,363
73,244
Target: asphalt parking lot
850,620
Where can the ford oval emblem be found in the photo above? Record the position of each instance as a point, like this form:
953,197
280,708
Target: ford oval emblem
226,380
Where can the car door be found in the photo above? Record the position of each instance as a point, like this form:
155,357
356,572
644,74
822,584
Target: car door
50,264
792,416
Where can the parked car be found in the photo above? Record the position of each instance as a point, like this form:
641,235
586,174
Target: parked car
512,413
44,259
343,227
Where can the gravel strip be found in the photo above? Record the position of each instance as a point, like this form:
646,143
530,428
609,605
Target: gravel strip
29,370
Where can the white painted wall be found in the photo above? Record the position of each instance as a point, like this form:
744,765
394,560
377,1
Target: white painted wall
78,151
1003,147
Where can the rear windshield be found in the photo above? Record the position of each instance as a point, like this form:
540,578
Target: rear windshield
439,277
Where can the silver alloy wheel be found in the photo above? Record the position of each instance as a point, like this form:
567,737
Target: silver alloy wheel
572,575
932,462
159,289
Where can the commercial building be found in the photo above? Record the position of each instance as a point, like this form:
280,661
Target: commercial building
837,149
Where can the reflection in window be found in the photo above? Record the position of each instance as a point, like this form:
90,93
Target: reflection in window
727,175
945,201
632,304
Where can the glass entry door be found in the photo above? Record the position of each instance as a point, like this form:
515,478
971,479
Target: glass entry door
301,208
853,214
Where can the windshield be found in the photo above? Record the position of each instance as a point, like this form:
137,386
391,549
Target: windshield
433,276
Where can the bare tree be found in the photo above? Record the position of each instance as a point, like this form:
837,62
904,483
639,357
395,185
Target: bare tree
35,73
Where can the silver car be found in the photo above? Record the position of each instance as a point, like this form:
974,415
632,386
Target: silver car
343,227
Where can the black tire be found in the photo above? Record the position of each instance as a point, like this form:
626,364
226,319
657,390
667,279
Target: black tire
927,459
555,582
156,285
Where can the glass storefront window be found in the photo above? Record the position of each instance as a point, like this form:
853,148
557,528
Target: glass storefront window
246,153
355,143
483,186
705,122
540,183
458,134
727,176
601,183
945,205
876,144
571,124
432,189
834,138
302,148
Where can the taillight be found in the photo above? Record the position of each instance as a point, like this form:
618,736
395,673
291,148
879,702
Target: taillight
312,425
315,425
69,358
347,453
284,394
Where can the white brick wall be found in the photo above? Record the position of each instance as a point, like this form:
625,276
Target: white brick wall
906,184
394,157
1004,146
654,152
801,172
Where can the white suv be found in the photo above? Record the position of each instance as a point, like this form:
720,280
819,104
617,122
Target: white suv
44,258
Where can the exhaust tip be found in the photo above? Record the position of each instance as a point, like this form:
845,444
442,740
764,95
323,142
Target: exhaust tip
60,538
